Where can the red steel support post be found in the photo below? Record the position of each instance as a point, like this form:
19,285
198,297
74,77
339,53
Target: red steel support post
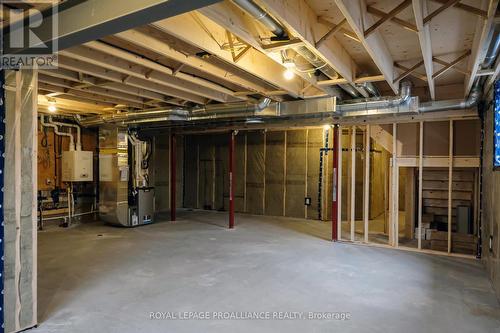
173,175
231,180
335,184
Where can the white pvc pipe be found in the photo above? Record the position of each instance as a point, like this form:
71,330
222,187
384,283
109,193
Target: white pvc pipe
78,143
56,130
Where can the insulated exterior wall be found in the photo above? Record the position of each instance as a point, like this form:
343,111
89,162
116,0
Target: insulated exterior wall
314,144
180,171
491,197
270,172
239,172
275,152
161,170
255,172
20,200
191,171
206,175
221,171
295,173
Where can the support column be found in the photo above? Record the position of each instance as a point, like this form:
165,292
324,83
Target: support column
173,176
335,181
231,180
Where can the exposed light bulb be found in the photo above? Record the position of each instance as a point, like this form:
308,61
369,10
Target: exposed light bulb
52,107
288,74
326,127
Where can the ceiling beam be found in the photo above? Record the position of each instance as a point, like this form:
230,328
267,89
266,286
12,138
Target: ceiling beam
69,105
90,69
361,80
441,9
192,29
93,81
116,64
82,21
387,17
92,89
153,44
405,24
424,38
244,26
88,95
356,15
188,81
480,43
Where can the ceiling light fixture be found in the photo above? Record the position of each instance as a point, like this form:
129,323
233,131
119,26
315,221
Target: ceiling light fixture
290,66
52,107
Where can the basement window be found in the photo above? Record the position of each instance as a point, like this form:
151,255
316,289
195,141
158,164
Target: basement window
496,138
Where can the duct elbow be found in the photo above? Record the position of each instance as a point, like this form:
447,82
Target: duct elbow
263,104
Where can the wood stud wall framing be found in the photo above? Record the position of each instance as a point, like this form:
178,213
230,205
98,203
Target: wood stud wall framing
420,162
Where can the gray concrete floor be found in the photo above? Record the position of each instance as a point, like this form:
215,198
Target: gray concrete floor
97,278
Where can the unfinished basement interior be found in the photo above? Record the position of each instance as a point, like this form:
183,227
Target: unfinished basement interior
250,166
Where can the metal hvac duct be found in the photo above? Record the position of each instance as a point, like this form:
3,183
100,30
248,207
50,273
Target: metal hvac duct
378,105
475,94
179,114
453,104
253,9
279,31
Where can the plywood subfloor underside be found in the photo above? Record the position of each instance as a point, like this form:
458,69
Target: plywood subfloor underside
95,278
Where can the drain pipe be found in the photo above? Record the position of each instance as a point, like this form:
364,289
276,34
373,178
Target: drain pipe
56,131
78,144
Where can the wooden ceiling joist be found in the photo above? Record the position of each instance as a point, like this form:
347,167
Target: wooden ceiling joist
357,16
282,45
188,29
89,96
387,17
424,38
408,71
361,80
451,64
441,9
405,24
330,32
466,8
152,44
480,44
445,63
412,73
103,73
114,86
113,62
300,21
90,89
